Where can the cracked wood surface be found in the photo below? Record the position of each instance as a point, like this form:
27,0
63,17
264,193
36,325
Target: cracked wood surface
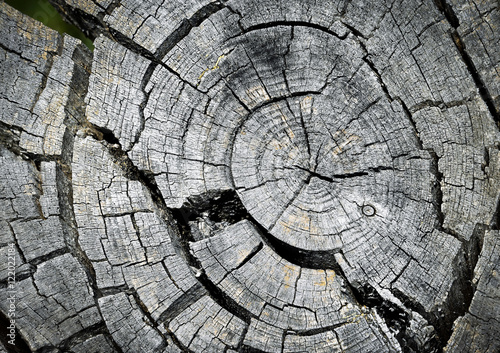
252,176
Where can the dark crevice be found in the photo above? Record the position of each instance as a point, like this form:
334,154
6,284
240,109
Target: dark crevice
248,349
412,122
495,222
437,200
9,138
334,176
108,135
474,247
104,292
90,26
220,206
226,206
17,53
317,331
438,104
252,253
145,80
222,298
345,175
150,321
75,119
229,211
75,116
483,91
283,337
45,75
354,31
436,189
4,284
191,296
458,300
36,159
280,98
486,158
463,288
177,343
397,319
38,166
211,202
49,256
87,333
112,6
133,46
293,24
447,10
307,259
186,26
239,347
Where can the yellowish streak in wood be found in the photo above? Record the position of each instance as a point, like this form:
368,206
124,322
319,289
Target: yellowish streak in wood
289,271
215,67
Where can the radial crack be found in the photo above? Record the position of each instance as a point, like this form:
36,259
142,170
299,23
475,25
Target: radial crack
333,177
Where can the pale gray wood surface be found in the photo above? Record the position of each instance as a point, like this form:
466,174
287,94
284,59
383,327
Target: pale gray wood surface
252,176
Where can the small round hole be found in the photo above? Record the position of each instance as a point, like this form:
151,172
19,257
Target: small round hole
368,210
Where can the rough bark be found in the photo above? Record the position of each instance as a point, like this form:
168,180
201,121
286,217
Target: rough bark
252,176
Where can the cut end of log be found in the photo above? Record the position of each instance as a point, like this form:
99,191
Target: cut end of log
251,176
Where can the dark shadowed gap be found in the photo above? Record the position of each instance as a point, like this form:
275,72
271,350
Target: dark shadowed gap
454,22
396,319
43,11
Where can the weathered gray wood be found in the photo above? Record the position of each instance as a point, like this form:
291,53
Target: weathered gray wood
477,26
116,107
216,328
34,104
475,331
241,176
97,344
55,304
126,324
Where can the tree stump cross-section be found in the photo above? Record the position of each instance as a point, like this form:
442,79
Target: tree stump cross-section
251,176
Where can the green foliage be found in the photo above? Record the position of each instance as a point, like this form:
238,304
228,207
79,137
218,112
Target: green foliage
43,11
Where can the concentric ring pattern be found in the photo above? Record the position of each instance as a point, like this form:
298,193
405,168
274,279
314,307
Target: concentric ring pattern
276,176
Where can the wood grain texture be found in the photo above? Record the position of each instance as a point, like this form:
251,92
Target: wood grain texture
252,176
